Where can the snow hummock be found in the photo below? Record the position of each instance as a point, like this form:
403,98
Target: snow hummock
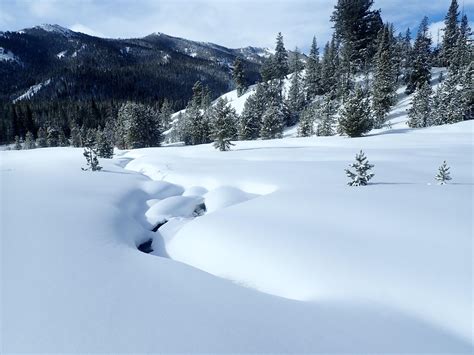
32,91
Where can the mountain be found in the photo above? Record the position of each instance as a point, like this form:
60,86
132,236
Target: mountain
77,66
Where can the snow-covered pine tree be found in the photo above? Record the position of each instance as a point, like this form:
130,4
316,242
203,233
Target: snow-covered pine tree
166,111
407,60
280,59
41,140
17,145
90,152
29,141
450,104
420,113
451,33
272,122
250,120
443,174
384,85
420,72
144,130
197,130
306,124
326,114
312,81
53,137
355,118
239,77
223,123
267,71
104,146
122,125
76,139
296,100
362,174
294,61
62,139
330,70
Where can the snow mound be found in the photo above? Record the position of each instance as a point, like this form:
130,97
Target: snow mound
225,196
176,206
195,191
162,189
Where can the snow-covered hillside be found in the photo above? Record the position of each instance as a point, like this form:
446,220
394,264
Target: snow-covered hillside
287,258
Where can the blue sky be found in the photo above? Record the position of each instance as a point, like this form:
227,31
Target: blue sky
232,23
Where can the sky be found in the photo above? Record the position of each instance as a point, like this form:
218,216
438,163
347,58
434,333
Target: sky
231,23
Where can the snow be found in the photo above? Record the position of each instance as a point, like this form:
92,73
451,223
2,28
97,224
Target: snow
33,90
287,258
7,56
56,29
61,54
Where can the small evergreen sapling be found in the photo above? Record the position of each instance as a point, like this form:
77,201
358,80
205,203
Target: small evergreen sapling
90,153
443,174
362,173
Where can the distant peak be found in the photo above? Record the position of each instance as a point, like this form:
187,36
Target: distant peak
54,28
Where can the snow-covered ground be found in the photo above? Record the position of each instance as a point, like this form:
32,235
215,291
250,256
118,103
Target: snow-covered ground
286,257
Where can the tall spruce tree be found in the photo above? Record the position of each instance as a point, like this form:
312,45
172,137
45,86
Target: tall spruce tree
76,140
450,106
41,140
52,136
326,115
451,33
144,130
407,60
306,124
280,59
272,122
357,26
312,82
29,141
104,145
355,118
384,85
17,145
420,113
421,68
166,111
251,117
223,123
239,77
296,100
294,61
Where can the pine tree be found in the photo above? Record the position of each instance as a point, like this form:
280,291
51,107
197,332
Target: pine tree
306,124
41,138
272,123
90,152
267,71
362,174
421,68
223,122
76,139
144,130
451,33
17,144
104,146
407,60
384,85
122,125
313,85
420,114
295,101
356,26
330,67
29,141
443,174
450,100
280,59
251,117
197,130
166,112
62,140
326,114
239,77
53,137
355,117
294,61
